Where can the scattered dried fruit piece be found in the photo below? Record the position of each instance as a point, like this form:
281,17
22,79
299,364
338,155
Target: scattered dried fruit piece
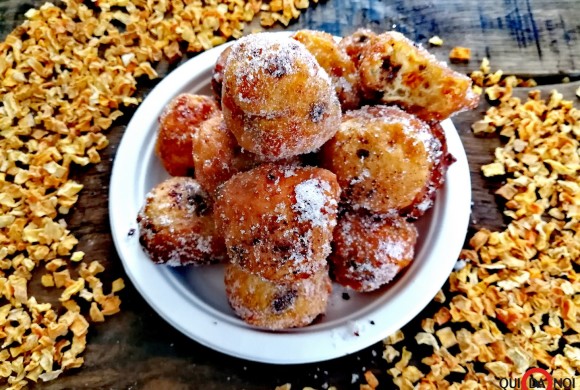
460,54
371,379
77,256
436,41
493,169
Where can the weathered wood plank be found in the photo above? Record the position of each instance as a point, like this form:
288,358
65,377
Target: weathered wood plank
137,349
519,36
525,37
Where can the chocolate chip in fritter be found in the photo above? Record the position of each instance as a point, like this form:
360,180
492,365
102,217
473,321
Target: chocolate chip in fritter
284,301
198,202
391,70
362,153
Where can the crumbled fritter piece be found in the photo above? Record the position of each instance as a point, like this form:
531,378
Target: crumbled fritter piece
394,70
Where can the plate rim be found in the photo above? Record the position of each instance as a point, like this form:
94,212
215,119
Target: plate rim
244,341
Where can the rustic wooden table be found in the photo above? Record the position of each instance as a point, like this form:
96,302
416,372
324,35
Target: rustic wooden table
137,349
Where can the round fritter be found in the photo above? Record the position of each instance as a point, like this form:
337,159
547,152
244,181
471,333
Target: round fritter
336,63
353,44
277,220
276,306
277,101
178,122
217,156
218,73
383,159
368,252
394,70
176,224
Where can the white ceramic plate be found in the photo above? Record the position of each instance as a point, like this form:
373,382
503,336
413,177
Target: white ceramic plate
193,300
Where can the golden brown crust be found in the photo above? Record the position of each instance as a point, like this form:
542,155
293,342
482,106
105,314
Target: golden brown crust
177,124
274,306
277,101
218,74
176,224
394,70
383,159
277,221
336,63
217,156
353,44
368,252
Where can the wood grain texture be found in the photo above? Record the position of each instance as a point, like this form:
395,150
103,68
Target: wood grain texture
524,37
519,36
136,349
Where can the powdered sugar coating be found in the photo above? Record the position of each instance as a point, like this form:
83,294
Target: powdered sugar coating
312,201
176,225
384,159
276,99
279,226
369,251
274,305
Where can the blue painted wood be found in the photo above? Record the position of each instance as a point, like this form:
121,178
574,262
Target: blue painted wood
519,36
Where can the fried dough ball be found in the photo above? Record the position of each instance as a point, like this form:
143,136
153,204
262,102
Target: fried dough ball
276,306
353,44
176,225
178,122
336,63
394,70
277,221
383,159
218,74
217,156
277,101
368,252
